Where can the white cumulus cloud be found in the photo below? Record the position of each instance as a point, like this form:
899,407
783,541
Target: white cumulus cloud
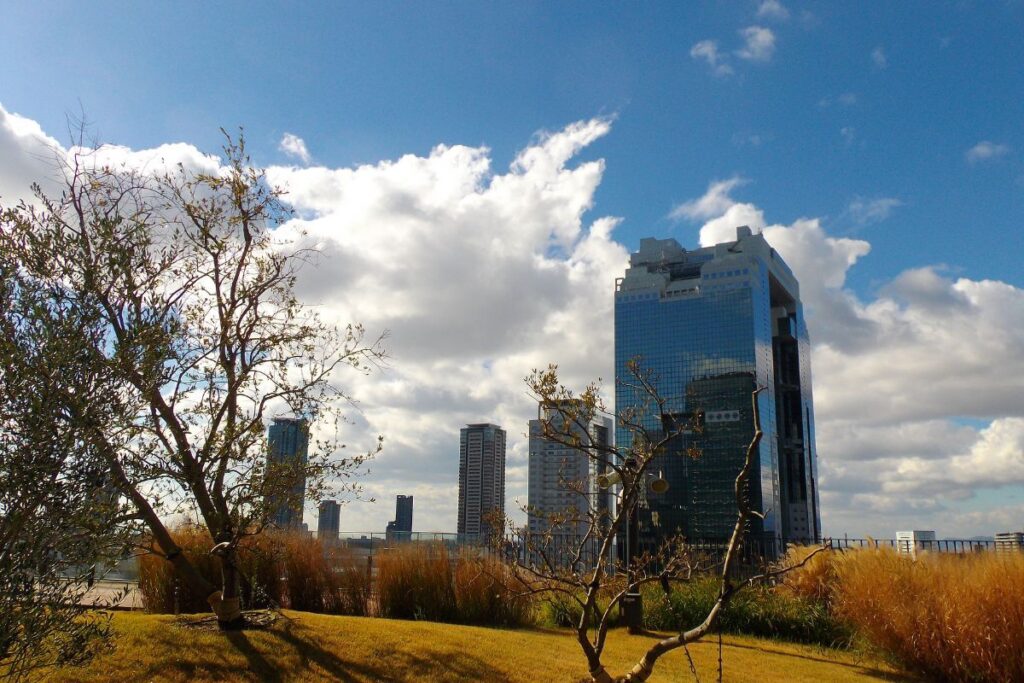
27,155
482,274
772,9
985,151
714,202
707,50
866,211
758,44
294,146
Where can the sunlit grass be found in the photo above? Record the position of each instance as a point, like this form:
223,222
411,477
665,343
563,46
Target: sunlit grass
312,647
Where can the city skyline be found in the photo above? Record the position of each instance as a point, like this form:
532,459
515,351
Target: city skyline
477,199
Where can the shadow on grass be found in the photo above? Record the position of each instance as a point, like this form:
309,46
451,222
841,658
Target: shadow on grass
289,650
767,649
865,669
258,664
393,664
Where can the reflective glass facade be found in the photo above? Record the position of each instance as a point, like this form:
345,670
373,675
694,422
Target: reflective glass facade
711,325
289,442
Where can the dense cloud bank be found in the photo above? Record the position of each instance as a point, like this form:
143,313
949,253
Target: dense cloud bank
482,274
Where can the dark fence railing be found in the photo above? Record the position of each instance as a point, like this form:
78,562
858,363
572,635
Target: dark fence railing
562,549
959,546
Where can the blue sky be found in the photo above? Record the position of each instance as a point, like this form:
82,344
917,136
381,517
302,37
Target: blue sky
367,81
893,124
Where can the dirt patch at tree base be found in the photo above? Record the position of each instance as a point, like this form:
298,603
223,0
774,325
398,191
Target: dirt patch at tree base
255,620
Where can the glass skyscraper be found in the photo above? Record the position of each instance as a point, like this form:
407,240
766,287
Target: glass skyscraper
329,522
711,325
287,453
401,526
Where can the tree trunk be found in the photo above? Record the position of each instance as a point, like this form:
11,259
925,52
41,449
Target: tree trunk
226,603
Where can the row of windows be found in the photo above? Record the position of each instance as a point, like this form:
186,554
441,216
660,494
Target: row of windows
725,273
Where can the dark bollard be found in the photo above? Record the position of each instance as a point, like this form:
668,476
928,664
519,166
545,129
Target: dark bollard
632,610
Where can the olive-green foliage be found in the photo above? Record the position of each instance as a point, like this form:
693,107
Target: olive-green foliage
561,611
61,520
759,610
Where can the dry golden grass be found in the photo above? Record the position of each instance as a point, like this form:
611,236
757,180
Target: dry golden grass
312,647
950,617
157,575
486,593
291,570
414,582
817,579
423,581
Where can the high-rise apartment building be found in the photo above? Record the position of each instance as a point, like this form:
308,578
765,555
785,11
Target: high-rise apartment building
287,454
559,474
481,477
401,527
711,325
329,522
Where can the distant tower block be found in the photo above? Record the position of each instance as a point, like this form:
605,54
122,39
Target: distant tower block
328,523
481,477
401,527
555,469
288,452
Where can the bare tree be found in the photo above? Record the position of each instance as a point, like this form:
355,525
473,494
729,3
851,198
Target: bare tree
203,339
584,572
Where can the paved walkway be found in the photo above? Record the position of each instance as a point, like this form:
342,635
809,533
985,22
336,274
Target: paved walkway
103,593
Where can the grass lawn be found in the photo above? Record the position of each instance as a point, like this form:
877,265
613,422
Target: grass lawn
313,647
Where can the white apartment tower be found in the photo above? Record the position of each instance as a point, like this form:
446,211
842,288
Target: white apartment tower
481,477
560,473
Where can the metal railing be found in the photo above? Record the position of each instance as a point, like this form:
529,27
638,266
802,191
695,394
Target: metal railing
558,548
